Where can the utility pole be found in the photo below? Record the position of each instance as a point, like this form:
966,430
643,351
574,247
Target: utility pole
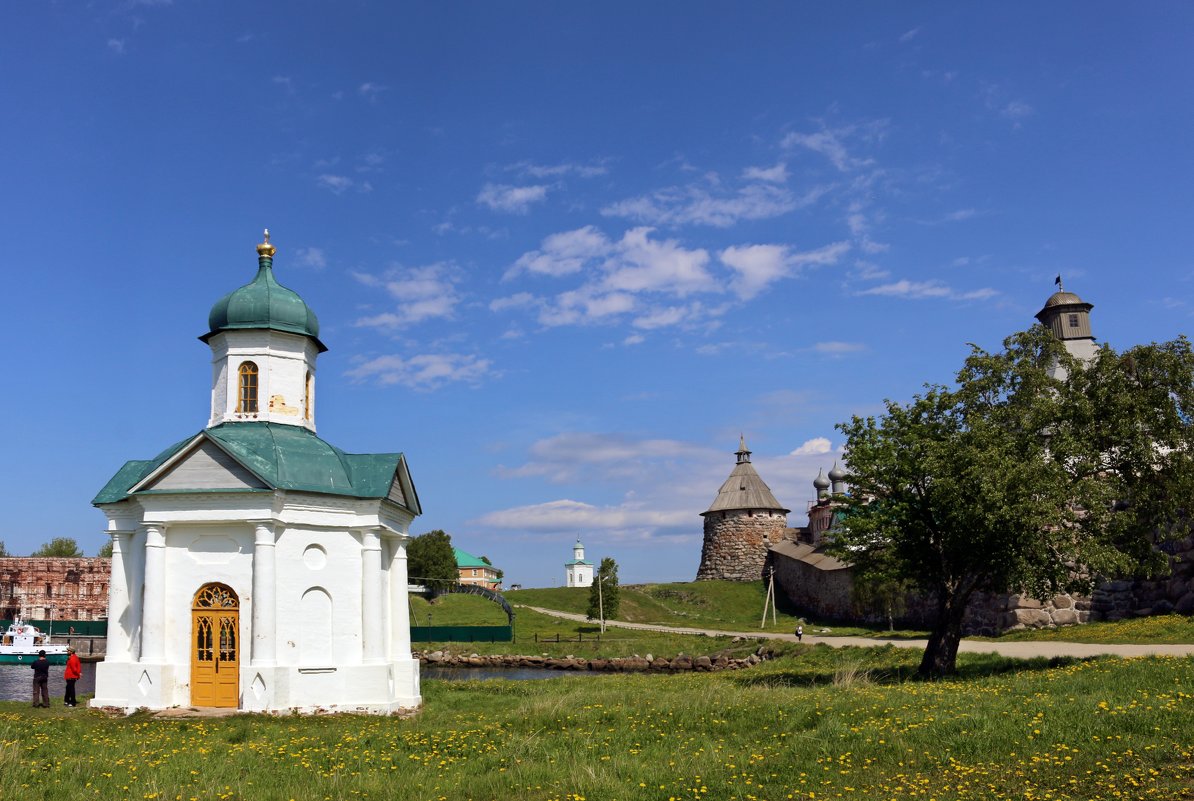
769,598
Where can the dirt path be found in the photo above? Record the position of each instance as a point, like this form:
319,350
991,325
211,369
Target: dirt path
1020,650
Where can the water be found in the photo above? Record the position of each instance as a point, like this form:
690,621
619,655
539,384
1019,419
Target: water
482,673
16,683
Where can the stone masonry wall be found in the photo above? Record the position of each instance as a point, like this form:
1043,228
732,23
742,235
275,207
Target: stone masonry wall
74,589
1116,600
735,547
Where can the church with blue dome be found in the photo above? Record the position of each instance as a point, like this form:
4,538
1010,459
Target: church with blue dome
256,566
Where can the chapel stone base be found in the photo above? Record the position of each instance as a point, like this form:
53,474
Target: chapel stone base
378,689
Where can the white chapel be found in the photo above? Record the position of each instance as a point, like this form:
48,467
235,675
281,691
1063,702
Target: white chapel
254,565
578,571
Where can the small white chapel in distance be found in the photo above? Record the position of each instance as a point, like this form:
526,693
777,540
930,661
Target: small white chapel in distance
255,566
578,572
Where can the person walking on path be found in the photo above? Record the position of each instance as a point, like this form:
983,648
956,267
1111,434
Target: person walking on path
799,632
41,680
73,672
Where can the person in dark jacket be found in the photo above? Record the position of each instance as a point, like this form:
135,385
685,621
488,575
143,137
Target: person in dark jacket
41,680
73,672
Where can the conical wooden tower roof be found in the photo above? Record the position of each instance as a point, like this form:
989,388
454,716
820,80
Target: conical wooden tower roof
744,489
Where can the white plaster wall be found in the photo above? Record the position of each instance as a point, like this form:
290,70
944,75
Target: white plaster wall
339,576
198,555
283,361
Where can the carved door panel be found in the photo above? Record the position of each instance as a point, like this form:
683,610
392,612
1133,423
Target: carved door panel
215,648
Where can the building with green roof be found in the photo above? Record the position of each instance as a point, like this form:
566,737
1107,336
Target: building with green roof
475,570
255,565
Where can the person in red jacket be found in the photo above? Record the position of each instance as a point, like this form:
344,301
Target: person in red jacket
73,672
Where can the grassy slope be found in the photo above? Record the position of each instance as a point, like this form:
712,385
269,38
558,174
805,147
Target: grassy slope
728,605
834,723
1159,629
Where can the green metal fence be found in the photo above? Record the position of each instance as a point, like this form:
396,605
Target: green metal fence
63,628
461,633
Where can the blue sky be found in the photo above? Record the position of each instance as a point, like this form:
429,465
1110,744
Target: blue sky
563,254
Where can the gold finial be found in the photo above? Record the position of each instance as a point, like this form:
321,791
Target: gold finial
265,248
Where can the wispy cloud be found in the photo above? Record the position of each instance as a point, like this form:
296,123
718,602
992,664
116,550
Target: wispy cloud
908,36
370,90
423,293
919,290
511,199
425,371
339,184
832,143
838,348
311,258
776,175
116,46
701,205
558,170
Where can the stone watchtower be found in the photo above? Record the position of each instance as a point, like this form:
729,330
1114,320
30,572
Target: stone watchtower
741,523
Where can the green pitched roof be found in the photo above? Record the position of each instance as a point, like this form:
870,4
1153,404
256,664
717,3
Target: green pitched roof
264,303
284,457
466,559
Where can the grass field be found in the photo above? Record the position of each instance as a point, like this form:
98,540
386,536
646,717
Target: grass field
819,723
536,633
1158,629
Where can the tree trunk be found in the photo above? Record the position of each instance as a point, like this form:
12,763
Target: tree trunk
941,654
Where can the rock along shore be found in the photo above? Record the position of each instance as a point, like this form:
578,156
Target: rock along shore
622,664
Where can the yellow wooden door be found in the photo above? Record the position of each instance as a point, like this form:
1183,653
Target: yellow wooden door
215,648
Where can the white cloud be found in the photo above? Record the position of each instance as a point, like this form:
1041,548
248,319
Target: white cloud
424,371
634,339
813,447
511,199
757,266
646,265
919,290
116,46
562,253
697,205
423,293
908,36
313,258
776,175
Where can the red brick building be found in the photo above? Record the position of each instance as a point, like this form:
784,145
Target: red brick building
38,588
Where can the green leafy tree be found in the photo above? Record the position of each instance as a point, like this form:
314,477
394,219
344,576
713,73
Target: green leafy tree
60,547
3,550
880,589
431,560
1013,481
604,595
106,550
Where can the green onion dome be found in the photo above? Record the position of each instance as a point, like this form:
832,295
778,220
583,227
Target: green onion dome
264,303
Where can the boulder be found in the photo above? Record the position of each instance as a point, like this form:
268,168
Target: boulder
1065,617
682,662
1063,602
703,663
1033,618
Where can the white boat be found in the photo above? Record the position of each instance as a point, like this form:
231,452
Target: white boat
22,641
